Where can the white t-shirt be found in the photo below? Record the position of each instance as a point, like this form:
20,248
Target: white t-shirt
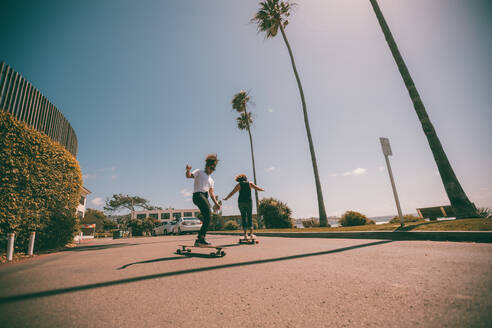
203,182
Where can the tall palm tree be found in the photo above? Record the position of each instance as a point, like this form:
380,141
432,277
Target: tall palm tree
271,17
462,206
244,121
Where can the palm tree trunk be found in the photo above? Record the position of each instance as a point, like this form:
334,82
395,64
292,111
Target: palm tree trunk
254,175
323,221
462,206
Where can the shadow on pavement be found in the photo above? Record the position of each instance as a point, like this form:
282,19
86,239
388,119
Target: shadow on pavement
106,246
21,297
96,247
152,261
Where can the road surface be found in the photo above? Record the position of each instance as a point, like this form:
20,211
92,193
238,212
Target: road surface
281,282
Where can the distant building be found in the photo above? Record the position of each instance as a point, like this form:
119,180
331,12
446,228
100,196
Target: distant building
166,214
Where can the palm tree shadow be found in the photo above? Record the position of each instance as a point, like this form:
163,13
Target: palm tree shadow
65,290
413,227
152,261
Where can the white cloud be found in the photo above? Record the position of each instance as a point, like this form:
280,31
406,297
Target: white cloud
270,110
98,201
270,169
381,168
334,174
85,176
357,171
185,193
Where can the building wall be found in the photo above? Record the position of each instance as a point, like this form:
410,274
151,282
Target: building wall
167,214
82,202
20,98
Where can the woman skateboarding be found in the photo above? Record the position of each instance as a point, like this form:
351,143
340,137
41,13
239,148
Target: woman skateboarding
203,186
245,202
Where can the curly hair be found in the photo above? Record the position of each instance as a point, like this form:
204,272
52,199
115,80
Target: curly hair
241,178
211,161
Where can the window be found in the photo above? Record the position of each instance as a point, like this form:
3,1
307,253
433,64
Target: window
154,215
82,200
165,216
141,216
177,215
188,214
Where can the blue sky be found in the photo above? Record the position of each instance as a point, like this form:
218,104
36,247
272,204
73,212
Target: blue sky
147,87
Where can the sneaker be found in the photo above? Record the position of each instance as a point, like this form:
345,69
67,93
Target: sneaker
252,236
201,242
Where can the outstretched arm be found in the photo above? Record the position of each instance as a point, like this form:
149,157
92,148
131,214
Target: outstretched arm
212,195
236,188
252,185
189,175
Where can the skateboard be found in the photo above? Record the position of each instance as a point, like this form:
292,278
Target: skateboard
186,249
249,241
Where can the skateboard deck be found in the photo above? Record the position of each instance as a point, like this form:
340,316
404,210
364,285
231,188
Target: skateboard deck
186,249
248,241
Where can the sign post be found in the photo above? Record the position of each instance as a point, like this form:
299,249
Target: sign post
385,145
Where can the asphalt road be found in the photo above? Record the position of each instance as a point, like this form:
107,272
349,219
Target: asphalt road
281,282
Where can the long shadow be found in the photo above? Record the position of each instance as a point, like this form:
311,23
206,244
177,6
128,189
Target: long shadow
152,261
27,296
96,247
413,227
106,246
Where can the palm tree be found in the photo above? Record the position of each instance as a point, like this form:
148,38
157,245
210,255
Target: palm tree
244,121
462,206
271,17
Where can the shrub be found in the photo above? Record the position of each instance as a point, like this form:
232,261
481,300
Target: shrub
275,213
99,218
310,223
40,184
484,212
406,218
352,218
231,225
139,226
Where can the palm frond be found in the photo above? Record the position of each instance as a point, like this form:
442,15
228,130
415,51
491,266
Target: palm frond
272,14
240,101
244,121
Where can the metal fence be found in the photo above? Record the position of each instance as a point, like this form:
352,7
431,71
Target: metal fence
27,104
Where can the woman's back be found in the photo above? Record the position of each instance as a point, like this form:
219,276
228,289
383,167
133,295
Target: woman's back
244,192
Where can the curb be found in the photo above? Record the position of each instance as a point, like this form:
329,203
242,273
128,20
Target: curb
457,236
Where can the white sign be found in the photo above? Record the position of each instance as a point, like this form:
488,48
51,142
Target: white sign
385,144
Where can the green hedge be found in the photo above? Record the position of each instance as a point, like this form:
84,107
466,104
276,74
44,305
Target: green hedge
231,225
406,218
276,214
352,218
40,184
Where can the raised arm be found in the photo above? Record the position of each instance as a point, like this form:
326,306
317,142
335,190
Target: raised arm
236,189
252,185
189,175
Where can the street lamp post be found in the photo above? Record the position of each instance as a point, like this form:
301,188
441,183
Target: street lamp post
385,144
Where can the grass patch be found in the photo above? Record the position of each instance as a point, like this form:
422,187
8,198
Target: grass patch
449,225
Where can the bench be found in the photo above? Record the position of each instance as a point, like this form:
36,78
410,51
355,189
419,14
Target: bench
433,213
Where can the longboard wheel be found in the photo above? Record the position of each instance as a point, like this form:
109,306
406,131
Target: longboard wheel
178,251
222,253
212,254
188,250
